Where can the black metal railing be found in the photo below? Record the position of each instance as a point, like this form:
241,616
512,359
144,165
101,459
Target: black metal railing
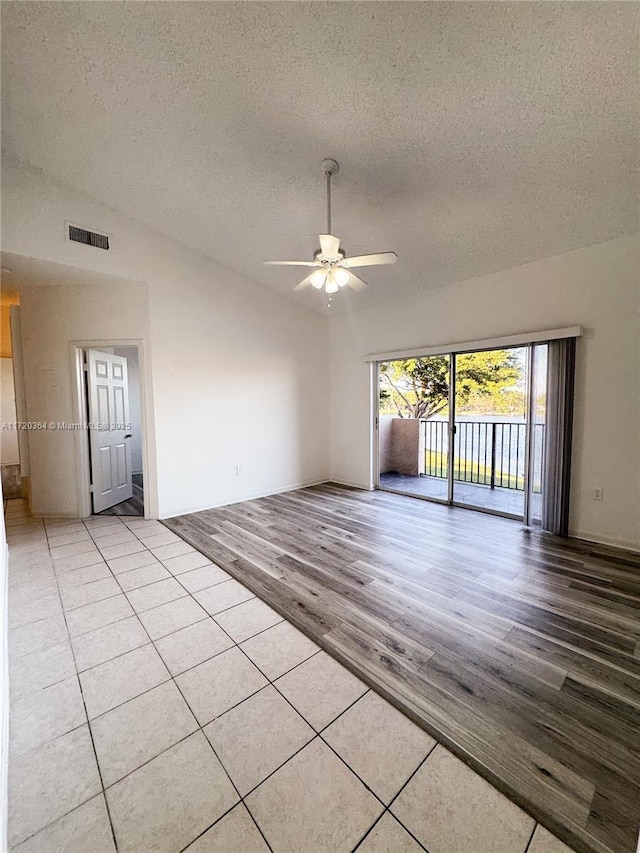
487,453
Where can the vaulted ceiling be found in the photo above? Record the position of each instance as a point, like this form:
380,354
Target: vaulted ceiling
471,137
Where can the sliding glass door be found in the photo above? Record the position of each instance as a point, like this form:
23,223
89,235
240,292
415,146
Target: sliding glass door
413,426
490,428
485,429
536,434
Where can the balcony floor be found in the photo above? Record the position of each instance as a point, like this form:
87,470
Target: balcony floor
497,499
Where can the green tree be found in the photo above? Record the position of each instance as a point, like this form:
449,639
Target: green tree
419,387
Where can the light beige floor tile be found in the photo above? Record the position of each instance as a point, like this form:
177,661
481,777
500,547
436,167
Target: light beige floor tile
27,543
165,804
233,833
24,522
544,842
320,689
18,527
39,590
22,579
155,594
85,547
156,539
40,587
112,683
84,830
77,561
222,596
23,536
216,685
42,715
50,781
247,619
143,576
106,537
25,611
87,574
186,562
89,593
41,668
207,576
450,809
112,552
108,527
19,575
97,615
379,743
30,562
144,525
192,645
387,836
279,649
256,737
67,538
118,565
98,521
316,798
176,549
142,728
172,616
37,635
108,642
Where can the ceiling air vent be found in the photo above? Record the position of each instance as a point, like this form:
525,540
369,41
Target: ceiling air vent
89,238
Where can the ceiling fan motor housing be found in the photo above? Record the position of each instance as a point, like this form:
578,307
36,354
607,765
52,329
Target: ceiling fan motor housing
318,256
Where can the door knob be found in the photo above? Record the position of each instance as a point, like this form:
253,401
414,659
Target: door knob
128,435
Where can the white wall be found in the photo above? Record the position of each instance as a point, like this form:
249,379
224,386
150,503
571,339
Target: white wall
597,287
9,454
52,317
239,373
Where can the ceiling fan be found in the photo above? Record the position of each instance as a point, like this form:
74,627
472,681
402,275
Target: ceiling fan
333,269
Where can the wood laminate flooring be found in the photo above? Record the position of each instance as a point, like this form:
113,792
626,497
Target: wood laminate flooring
519,651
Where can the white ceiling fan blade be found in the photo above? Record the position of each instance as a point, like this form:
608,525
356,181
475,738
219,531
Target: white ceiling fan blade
356,282
329,245
291,263
304,284
370,260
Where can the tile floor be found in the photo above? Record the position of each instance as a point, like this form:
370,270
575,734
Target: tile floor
157,705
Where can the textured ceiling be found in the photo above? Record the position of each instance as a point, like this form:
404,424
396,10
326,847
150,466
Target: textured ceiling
471,136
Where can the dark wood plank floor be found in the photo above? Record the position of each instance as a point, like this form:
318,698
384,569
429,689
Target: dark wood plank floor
519,651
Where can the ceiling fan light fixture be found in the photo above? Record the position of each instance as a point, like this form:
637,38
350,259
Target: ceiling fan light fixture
341,276
318,279
331,285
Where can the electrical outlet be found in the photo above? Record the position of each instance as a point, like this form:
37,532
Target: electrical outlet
239,471
598,494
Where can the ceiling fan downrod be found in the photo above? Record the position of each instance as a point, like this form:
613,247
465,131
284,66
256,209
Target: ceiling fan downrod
330,168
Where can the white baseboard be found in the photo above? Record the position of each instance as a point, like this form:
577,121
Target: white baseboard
289,488
611,541
340,482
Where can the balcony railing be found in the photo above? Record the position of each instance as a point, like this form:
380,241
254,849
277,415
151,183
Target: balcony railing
487,453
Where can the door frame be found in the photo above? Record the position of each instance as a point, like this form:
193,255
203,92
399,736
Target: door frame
79,401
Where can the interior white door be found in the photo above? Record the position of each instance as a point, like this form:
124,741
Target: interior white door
109,432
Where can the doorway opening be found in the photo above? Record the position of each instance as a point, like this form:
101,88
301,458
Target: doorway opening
466,428
14,455
113,408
